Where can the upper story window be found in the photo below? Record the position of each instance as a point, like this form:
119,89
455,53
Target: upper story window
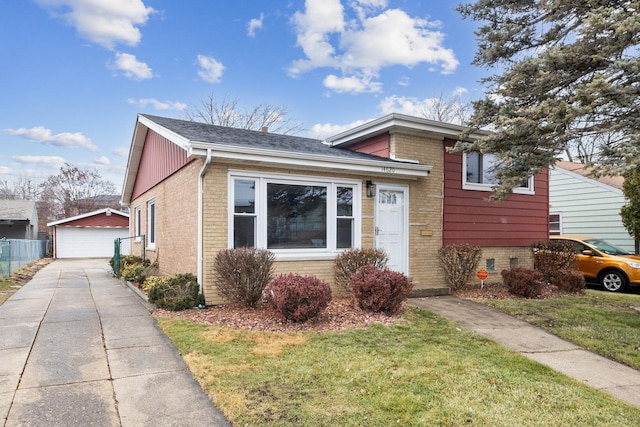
479,172
293,216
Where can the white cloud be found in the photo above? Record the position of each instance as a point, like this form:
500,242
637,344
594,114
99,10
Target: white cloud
121,151
351,84
105,22
131,67
64,139
364,45
158,105
325,130
448,109
5,170
254,25
50,161
210,70
102,161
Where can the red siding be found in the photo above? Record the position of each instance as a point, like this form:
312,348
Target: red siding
101,220
160,158
468,217
377,145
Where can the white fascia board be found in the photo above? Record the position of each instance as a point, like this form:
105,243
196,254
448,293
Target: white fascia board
176,138
391,121
306,161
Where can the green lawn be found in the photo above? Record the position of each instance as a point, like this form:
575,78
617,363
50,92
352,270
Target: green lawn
423,371
603,322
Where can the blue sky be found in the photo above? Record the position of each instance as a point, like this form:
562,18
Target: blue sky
75,73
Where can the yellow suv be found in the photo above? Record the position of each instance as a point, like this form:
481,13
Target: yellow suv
600,261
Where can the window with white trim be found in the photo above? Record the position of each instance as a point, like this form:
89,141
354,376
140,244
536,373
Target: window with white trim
137,231
151,224
479,172
555,224
293,215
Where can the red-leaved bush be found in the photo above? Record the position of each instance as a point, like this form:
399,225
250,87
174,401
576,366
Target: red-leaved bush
524,282
380,290
568,280
297,298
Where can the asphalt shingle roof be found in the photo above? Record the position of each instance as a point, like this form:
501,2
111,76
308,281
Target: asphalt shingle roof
202,132
16,209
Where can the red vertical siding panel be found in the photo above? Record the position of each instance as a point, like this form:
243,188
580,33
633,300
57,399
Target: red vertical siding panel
160,158
377,145
100,220
469,217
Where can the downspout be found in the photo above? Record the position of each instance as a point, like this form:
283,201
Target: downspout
203,171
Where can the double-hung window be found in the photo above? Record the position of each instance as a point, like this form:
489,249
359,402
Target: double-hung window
479,173
293,216
137,231
151,224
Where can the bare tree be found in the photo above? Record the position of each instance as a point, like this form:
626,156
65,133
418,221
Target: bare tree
228,112
447,109
22,188
74,191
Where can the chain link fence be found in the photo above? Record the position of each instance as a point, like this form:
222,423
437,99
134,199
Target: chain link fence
15,253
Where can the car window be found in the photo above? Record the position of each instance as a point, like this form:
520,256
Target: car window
606,247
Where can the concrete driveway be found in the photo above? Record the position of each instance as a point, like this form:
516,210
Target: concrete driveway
78,348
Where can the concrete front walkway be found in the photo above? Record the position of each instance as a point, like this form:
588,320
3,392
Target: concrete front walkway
78,348
596,371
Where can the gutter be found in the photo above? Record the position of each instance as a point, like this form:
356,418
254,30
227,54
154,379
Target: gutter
203,172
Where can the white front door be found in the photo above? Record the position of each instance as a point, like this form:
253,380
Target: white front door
391,225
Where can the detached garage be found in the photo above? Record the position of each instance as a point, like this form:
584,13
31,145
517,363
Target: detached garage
90,235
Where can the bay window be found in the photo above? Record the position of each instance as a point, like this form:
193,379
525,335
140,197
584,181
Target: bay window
293,215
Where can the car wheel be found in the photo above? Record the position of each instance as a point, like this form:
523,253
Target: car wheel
613,281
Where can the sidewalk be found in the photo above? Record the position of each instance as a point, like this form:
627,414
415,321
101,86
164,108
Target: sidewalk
78,348
614,378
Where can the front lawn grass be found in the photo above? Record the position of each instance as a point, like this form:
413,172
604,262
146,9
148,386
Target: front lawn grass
605,323
424,370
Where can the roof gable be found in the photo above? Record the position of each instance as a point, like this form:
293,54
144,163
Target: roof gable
101,218
584,172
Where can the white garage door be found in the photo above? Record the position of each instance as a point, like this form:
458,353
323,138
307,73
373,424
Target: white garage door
87,242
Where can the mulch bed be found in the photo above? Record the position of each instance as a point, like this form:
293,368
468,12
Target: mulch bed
341,314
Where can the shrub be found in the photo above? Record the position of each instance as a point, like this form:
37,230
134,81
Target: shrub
134,273
524,282
242,274
349,261
297,298
127,260
551,256
180,292
568,280
380,290
459,262
152,281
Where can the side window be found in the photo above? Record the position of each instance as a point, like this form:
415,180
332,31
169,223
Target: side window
151,224
555,224
244,213
137,231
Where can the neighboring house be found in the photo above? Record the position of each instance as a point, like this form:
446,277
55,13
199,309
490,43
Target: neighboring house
90,235
194,189
586,206
18,219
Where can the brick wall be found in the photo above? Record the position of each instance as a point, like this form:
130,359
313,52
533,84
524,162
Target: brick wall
176,221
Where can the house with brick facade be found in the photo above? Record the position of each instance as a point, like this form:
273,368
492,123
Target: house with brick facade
194,189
